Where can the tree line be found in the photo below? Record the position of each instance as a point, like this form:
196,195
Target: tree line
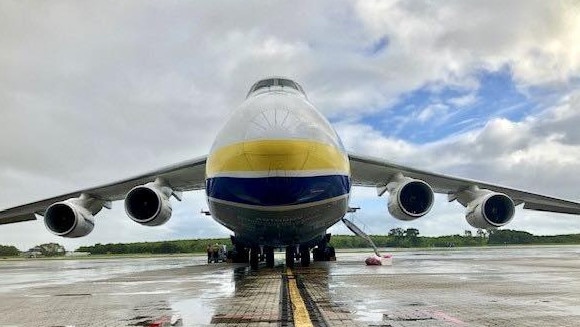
397,237
8,251
402,238
163,247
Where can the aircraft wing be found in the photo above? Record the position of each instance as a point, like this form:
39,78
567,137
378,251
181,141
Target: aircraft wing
185,176
374,172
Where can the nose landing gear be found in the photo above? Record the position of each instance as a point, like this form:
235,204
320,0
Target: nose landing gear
301,252
261,254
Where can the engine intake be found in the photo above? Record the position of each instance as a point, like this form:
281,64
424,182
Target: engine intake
490,210
73,217
409,198
149,204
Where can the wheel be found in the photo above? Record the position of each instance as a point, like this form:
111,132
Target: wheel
240,255
304,256
290,256
269,257
254,257
316,254
329,254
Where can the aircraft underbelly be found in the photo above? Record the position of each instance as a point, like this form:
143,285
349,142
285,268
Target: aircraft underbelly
279,226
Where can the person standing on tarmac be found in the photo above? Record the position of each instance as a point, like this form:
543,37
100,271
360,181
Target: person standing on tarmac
209,253
216,251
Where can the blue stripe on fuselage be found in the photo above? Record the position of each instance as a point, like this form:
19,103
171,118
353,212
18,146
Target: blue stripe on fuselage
277,191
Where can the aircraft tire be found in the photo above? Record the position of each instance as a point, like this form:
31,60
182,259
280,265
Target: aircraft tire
304,256
254,257
290,256
329,254
240,255
316,255
269,253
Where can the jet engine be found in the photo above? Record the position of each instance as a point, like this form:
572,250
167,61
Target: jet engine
149,204
72,217
409,198
490,210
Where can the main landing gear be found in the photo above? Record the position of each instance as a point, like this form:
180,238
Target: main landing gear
290,254
269,253
301,252
323,251
256,254
239,254
260,254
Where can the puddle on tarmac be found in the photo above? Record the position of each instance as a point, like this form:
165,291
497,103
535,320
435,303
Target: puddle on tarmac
142,293
199,310
194,311
368,315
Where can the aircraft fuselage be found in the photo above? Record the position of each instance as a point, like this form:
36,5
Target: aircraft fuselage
277,173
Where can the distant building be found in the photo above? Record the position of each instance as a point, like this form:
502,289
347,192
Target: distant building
31,253
77,254
45,250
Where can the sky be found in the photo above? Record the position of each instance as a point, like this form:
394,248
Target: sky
98,91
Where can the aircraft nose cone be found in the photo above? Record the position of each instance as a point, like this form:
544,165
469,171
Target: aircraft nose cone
276,123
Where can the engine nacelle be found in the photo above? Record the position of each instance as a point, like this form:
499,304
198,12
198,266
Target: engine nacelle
409,198
72,217
490,210
149,204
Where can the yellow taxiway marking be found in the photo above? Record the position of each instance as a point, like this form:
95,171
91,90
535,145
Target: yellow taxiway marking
300,313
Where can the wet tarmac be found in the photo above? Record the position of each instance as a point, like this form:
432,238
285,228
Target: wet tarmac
501,286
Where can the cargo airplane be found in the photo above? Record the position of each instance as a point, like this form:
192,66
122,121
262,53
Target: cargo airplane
278,175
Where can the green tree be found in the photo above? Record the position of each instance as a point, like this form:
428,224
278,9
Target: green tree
508,236
397,232
411,233
8,251
166,247
412,237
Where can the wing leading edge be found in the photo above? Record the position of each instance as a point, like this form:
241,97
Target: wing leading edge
374,172
366,172
185,176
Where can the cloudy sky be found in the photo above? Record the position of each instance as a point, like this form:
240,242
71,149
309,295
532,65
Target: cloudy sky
96,91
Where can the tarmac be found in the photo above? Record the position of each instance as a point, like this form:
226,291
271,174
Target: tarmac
494,286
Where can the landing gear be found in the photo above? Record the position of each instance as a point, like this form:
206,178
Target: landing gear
324,252
254,257
318,254
290,251
239,254
304,256
269,253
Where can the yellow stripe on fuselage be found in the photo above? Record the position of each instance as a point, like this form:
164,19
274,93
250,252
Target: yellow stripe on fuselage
263,156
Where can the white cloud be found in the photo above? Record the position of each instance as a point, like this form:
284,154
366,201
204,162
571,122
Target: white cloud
538,40
437,110
463,101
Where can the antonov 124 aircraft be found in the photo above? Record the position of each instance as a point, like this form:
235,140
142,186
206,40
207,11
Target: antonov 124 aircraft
277,175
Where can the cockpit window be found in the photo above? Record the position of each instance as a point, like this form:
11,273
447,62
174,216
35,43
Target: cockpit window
267,83
287,83
263,83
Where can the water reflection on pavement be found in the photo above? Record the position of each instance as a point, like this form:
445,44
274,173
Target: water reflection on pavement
524,286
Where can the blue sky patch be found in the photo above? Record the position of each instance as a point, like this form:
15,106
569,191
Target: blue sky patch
378,46
432,113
